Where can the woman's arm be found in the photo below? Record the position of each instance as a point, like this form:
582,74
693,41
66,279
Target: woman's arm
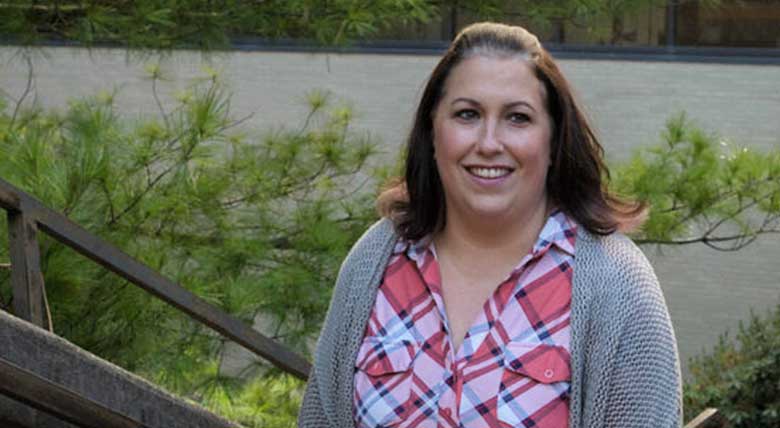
644,382
311,414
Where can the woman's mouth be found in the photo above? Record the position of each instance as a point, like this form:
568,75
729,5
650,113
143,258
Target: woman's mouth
489,173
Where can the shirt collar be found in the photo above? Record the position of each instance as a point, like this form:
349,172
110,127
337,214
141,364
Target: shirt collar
416,250
559,230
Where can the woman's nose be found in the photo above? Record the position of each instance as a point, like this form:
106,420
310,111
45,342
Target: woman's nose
489,140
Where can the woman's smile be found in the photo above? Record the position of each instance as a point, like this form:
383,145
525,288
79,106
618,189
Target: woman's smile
489,172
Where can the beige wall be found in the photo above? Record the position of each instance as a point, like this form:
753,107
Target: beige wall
629,102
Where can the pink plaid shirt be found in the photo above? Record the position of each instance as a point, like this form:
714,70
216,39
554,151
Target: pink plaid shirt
512,369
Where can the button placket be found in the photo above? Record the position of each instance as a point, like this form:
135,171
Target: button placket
458,382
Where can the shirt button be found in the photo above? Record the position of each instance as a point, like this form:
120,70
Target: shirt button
548,373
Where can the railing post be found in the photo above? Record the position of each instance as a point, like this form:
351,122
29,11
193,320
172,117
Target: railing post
26,276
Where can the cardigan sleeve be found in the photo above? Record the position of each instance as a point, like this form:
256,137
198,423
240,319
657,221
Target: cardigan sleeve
644,388
311,413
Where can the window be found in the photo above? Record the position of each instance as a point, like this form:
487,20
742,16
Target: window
694,23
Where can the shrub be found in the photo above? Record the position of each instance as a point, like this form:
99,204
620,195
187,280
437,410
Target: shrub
740,376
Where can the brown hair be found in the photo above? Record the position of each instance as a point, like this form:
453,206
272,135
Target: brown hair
576,180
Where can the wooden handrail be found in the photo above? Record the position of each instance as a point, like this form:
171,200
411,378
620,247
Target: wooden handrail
17,203
709,418
29,388
9,200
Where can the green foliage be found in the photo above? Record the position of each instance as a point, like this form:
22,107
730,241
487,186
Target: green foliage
254,225
268,402
203,25
741,377
702,189
208,25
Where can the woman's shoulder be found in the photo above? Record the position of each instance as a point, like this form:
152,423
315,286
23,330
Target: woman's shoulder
368,255
619,291
615,268
375,242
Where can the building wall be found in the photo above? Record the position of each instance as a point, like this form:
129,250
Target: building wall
629,102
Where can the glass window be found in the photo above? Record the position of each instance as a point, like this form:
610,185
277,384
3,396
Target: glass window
707,23
732,23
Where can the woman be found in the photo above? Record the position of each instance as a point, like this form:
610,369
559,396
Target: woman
497,290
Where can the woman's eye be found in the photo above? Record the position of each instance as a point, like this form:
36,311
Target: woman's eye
519,118
466,114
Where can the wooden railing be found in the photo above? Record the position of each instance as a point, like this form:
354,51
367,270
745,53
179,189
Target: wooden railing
27,216
709,418
40,393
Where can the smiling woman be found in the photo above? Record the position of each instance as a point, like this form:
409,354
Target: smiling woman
491,139
497,291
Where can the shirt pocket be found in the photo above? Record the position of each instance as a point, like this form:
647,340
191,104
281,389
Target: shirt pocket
534,376
383,381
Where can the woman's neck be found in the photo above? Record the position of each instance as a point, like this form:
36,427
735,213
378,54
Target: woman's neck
491,239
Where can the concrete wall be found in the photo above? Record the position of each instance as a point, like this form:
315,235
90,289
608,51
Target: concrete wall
708,292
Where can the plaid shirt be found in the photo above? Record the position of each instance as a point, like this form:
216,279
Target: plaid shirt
512,369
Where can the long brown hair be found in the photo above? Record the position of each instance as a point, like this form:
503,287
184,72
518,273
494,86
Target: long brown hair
576,180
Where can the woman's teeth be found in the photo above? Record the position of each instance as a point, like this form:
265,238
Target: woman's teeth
489,172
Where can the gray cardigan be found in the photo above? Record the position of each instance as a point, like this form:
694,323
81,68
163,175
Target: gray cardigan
624,363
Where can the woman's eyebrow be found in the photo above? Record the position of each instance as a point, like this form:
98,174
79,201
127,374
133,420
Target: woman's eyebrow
466,100
506,106
520,103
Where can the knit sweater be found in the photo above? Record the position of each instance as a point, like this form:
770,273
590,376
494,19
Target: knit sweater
625,372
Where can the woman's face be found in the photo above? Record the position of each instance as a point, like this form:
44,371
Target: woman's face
491,139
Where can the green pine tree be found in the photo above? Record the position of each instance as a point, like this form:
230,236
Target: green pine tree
253,223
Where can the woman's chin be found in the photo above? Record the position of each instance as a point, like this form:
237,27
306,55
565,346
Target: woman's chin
497,212
489,213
